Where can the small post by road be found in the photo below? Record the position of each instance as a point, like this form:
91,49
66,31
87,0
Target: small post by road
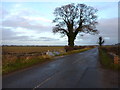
116,59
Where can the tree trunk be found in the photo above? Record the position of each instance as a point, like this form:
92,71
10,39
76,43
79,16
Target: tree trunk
71,40
100,44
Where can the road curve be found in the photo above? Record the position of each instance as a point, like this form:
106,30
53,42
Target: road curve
81,70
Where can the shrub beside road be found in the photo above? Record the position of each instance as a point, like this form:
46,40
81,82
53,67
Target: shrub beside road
109,57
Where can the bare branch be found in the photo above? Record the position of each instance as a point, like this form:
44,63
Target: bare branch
61,30
71,19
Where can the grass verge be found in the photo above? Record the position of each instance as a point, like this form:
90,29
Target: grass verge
107,62
75,51
20,64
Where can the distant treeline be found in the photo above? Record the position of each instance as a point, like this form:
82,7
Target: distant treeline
52,45
43,45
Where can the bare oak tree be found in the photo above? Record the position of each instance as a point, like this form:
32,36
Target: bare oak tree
72,19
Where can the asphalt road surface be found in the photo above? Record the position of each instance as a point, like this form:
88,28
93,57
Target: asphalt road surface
81,70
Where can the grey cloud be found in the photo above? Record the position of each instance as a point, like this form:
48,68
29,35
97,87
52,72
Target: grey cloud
48,39
8,34
42,39
86,39
108,28
16,21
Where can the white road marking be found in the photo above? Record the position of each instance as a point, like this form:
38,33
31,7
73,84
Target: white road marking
78,61
43,82
46,80
75,61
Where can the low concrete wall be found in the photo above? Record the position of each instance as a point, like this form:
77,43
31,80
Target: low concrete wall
115,58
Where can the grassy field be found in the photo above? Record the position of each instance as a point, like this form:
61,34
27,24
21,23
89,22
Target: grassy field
30,49
18,57
106,60
13,62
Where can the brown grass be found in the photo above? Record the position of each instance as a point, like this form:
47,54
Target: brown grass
31,49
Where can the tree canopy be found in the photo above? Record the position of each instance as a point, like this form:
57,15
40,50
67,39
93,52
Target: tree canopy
72,19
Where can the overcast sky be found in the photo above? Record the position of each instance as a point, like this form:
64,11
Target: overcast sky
30,23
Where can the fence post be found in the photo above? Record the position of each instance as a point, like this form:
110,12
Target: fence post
116,59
